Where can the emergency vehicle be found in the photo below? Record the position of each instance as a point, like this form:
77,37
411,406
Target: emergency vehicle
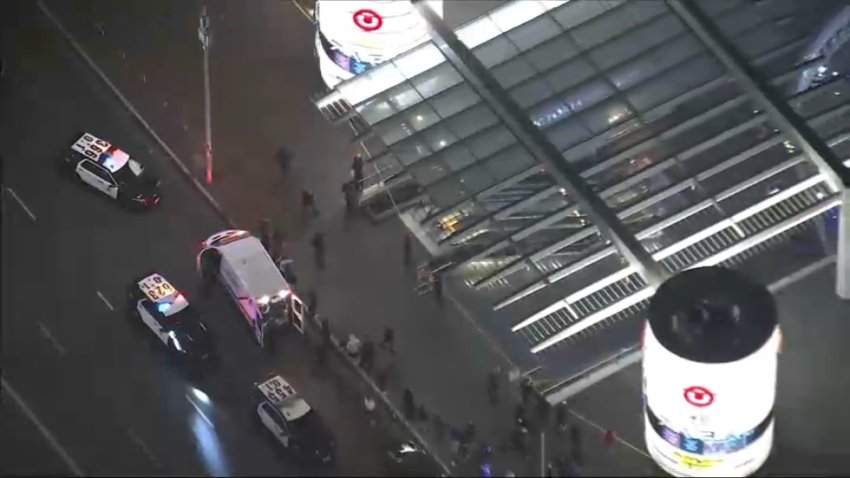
106,168
292,422
167,313
240,263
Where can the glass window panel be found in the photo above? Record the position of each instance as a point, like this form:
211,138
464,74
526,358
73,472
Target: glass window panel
375,110
512,72
616,51
508,162
454,100
651,93
639,12
420,116
531,93
476,179
741,20
419,60
428,171
456,157
410,150
403,96
567,133
534,32
549,112
477,32
615,22
588,94
675,53
486,143
446,192
760,41
438,137
393,130
659,30
606,115
576,13
384,77
434,81
472,120
514,14
552,53
632,73
570,74
697,72
495,51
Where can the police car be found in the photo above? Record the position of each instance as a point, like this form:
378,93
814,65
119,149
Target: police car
111,171
292,422
169,316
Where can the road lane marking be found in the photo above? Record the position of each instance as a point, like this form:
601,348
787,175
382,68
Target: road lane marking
618,437
200,412
21,202
51,338
147,452
103,298
54,443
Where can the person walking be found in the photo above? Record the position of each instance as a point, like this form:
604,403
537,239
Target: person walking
493,387
389,340
264,231
308,203
312,304
437,281
609,439
408,405
283,156
357,171
561,416
367,357
407,250
349,192
525,388
318,244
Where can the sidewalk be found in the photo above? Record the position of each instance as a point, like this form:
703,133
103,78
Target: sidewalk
263,71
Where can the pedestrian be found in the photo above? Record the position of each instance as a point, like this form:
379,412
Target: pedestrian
408,405
493,387
519,416
326,332
437,281
369,404
455,437
561,416
467,438
284,265
353,346
609,438
308,203
439,427
407,250
422,413
367,359
381,378
264,231
542,412
312,303
318,244
277,246
349,196
525,390
357,171
550,470
283,156
389,340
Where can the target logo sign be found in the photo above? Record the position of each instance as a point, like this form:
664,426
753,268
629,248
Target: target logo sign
699,396
367,20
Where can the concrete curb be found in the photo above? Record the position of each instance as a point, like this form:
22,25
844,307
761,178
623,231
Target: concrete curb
170,153
230,223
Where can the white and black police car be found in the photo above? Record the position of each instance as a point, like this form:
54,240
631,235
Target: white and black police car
111,171
292,422
167,313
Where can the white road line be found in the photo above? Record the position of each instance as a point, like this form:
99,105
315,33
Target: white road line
138,441
619,439
21,202
200,412
51,338
103,298
54,443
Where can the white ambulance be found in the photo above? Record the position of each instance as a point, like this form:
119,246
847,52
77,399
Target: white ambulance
240,263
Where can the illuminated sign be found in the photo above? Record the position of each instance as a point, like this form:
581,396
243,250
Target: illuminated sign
709,415
373,31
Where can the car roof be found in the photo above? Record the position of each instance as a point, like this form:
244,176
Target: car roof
282,396
101,152
158,290
249,259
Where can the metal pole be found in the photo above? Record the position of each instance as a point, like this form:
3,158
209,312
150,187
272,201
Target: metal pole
842,264
204,35
542,454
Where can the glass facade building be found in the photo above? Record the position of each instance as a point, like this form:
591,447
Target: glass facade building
645,111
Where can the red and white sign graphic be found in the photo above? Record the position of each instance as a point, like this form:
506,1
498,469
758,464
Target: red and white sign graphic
699,396
368,20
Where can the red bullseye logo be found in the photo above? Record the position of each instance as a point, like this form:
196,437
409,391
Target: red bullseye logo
699,396
367,20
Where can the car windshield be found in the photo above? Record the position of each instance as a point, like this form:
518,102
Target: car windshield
131,172
308,425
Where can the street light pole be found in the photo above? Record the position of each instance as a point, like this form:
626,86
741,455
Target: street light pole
205,36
